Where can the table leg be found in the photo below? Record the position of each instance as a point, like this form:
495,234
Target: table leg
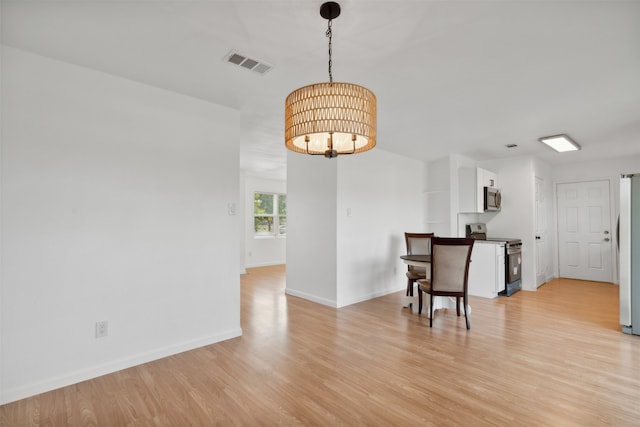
409,300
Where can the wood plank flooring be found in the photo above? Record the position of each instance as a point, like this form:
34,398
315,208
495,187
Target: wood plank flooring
555,357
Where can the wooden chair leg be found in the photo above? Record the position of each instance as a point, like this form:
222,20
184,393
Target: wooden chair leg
466,311
430,310
458,306
419,300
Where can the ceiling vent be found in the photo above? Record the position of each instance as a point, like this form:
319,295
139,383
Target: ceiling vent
247,63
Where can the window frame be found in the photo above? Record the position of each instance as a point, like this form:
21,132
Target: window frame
276,217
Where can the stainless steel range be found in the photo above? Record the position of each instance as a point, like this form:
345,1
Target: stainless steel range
512,256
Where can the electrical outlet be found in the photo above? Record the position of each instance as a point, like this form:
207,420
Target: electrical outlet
102,329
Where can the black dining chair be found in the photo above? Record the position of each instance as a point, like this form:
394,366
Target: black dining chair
450,259
417,244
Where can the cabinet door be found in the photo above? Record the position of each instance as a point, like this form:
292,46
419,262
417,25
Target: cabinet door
500,271
471,183
480,184
468,190
483,276
489,179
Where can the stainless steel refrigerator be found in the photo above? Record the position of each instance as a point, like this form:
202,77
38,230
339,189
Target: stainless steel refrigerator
629,245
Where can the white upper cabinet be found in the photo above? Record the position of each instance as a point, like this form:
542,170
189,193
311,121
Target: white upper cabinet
471,188
488,178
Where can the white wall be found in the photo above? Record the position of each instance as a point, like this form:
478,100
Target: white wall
459,220
262,251
2,399
378,200
517,216
596,170
114,207
436,199
311,227
241,209
346,224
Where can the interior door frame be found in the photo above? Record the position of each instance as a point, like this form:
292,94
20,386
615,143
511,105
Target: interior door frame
613,216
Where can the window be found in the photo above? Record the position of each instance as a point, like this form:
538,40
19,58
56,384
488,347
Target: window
269,215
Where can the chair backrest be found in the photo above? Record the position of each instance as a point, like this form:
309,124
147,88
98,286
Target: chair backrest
418,244
450,257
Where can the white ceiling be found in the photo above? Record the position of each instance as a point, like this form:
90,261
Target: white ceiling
450,76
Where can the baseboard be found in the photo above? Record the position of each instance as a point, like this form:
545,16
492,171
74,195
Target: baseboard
18,393
372,295
334,304
265,264
314,298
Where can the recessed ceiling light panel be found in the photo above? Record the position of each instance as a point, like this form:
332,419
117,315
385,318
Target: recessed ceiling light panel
560,143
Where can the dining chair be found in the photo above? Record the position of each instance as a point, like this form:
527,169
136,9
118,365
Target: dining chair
450,258
417,244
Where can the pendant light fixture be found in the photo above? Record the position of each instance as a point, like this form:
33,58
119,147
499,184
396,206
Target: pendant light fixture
330,119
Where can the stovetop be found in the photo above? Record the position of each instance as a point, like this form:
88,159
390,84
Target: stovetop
504,239
478,231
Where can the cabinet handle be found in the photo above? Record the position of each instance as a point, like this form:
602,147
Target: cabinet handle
607,239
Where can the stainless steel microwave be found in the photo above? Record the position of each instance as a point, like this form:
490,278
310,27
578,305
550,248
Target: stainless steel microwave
492,199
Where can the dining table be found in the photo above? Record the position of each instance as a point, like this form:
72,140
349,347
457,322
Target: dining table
438,302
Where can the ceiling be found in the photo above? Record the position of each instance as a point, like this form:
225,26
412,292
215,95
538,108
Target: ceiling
450,76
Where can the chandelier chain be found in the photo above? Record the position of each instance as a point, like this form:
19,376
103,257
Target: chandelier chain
329,34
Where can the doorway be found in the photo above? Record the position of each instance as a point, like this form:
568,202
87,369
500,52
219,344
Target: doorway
541,232
584,230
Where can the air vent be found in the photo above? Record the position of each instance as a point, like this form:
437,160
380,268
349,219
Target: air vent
247,63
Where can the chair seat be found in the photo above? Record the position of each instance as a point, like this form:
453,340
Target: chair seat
416,275
425,286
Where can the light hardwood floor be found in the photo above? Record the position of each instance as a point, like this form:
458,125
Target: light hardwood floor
554,357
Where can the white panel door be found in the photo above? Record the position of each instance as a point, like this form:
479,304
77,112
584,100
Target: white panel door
584,234
541,233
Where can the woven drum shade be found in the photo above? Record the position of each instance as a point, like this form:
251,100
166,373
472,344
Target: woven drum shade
330,119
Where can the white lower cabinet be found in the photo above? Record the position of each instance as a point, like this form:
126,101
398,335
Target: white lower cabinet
486,272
